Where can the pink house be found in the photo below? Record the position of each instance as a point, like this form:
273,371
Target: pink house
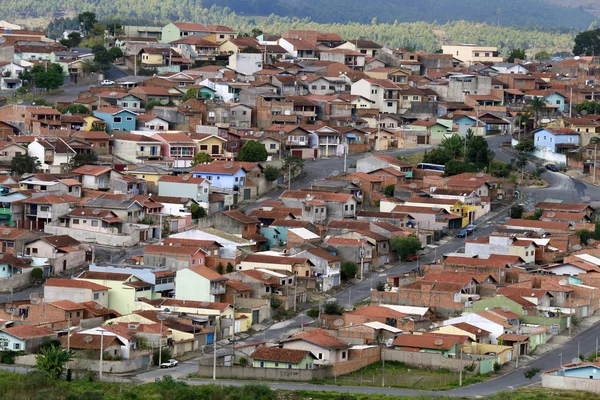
177,147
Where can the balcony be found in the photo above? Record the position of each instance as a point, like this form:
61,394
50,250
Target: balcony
391,96
330,142
217,288
147,154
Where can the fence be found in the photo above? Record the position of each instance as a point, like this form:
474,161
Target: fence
429,360
569,383
113,367
269,374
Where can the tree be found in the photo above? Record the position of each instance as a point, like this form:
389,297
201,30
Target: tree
191,93
25,164
220,268
115,53
151,104
333,308
313,312
73,40
293,164
405,246
380,286
253,151
201,158
537,105
389,190
521,162
595,140
516,54
87,20
52,361
229,268
197,211
37,273
587,106
537,214
81,159
525,146
75,109
348,269
531,372
587,43
251,49
584,236
455,167
478,152
48,77
256,32
454,145
165,355
272,173
543,56
437,156
102,57
517,211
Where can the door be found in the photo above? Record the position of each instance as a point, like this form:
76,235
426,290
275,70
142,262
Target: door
247,193
64,265
336,280
215,149
238,327
255,317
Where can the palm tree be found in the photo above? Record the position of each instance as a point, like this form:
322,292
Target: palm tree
52,361
536,105
595,140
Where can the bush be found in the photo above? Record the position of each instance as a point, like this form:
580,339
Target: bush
229,267
220,268
253,151
380,286
348,269
166,355
517,211
37,273
276,302
313,312
389,190
405,246
332,308
529,372
272,173
244,361
497,366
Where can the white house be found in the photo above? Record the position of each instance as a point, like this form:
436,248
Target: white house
246,63
383,92
477,320
52,155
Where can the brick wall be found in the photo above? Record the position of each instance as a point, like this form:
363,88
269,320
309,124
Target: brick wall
358,359
443,302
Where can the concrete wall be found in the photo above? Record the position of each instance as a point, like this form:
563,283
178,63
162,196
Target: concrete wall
428,360
16,281
267,374
568,383
115,367
104,239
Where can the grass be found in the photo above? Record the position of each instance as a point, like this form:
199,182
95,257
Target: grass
413,159
401,375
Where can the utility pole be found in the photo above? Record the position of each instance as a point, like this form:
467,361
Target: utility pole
362,258
595,158
289,176
160,228
383,367
378,132
460,371
101,351
596,354
571,103
215,355
295,291
345,151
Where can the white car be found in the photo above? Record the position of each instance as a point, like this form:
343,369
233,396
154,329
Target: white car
169,364
107,82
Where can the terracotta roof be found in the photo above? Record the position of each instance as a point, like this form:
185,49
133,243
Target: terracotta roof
28,331
430,200
513,337
319,337
271,214
241,217
447,276
495,318
67,305
61,241
74,283
478,332
492,261
564,207
278,354
93,170
519,300
8,233
218,167
91,342
104,276
47,199
545,225
505,314
281,260
349,224
377,311
292,223
181,179
338,241
168,302
569,216
207,273
522,292
238,286
324,254
261,276
561,131
191,242
136,138
171,250
426,341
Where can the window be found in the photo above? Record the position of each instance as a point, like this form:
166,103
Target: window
237,179
94,223
289,366
125,104
203,147
34,250
233,144
314,87
273,146
404,97
320,356
351,207
390,104
116,120
343,355
44,208
346,207
277,364
75,222
261,364
193,262
129,118
476,54
96,296
323,87
17,346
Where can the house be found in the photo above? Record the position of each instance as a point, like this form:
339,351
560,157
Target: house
212,145
122,100
372,163
199,283
25,338
327,267
327,348
384,93
125,289
177,148
222,174
538,226
366,47
469,54
42,210
62,252
299,49
8,151
94,343
55,156
427,343
350,58
553,143
117,118
174,257
338,205
136,148
99,140
12,240
277,357
76,291
184,186
96,177
158,94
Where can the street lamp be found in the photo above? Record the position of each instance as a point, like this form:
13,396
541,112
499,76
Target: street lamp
161,317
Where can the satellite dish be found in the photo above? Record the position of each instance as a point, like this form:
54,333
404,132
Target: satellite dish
6,232
576,361
266,276
584,112
577,247
338,322
551,214
563,282
356,181
450,115
112,93
2,39
480,174
303,78
185,177
228,165
96,211
585,199
335,172
88,339
591,241
577,58
259,134
436,208
438,342
413,185
204,304
183,199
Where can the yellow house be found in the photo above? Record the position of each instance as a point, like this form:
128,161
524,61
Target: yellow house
125,289
153,56
360,102
90,120
238,44
396,75
209,144
150,173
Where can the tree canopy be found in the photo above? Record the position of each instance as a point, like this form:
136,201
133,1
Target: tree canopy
405,246
47,77
253,151
25,164
201,158
587,43
514,54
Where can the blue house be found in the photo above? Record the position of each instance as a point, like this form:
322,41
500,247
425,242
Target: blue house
553,99
227,175
117,118
585,371
556,140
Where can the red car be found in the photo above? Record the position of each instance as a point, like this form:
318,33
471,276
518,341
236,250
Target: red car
414,257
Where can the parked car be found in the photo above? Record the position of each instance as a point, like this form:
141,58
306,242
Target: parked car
169,364
552,167
471,228
413,257
462,233
107,82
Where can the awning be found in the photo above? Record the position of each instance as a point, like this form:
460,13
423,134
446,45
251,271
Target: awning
351,136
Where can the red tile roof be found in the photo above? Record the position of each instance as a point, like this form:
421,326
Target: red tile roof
278,354
377,311
67,305
104,276
425,341
74,283
321,196
181,179
238,286
545,225
281,260
319,337
94,170
478,332
28,331
208,273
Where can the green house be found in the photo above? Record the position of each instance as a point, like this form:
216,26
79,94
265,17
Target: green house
277,357
515,304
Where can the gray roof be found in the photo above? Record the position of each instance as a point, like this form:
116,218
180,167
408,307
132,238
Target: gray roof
151,169
132,79
110,203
